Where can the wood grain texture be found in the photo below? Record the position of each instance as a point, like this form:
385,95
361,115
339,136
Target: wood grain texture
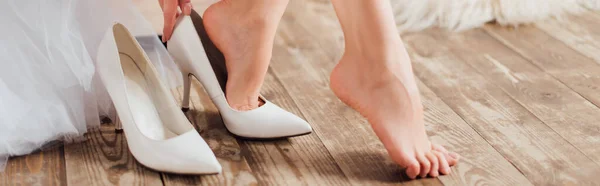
538,151
302,160
553,56
480,163
104,159
40,168
586,82
541,49
205,117
581,33
564,90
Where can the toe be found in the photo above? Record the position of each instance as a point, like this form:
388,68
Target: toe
425,165
450,156
433,172
439,148
453,158
444,168
413,169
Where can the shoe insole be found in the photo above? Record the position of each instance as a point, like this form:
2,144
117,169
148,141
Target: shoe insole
139,95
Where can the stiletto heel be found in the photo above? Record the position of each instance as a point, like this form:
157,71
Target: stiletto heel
158,135
187,84
265,122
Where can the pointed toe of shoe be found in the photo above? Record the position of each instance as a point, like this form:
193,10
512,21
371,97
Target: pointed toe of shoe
199,158
187,153
284,124
266,122
294,126
215,167
205,165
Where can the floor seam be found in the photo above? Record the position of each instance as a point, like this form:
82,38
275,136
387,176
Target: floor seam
303,115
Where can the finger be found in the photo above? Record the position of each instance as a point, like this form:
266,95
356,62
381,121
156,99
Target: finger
444,167
434,164
186,6
169,16
413,169
425,165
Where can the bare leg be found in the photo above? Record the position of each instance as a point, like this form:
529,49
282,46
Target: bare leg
244,31
374,76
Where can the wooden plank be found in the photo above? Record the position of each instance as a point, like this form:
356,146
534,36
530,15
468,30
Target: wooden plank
104,159
586,82
207,120
567,66
539,47
577,71
541,154
480,163
40,168
556,58
581,33
302,160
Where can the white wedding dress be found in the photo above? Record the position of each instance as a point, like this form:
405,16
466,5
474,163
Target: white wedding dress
48,86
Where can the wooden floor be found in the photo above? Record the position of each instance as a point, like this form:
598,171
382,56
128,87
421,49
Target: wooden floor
520,105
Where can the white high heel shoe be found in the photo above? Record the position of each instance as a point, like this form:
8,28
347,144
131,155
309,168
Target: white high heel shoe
158,135
265,122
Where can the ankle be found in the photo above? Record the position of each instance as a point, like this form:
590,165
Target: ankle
373,64
371,50
378,58
243,88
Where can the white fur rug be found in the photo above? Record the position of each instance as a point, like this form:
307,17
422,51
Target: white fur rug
458,15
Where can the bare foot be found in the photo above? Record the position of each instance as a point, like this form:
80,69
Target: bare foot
244,31
383,90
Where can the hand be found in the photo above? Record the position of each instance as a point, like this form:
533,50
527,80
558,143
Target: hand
170,14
